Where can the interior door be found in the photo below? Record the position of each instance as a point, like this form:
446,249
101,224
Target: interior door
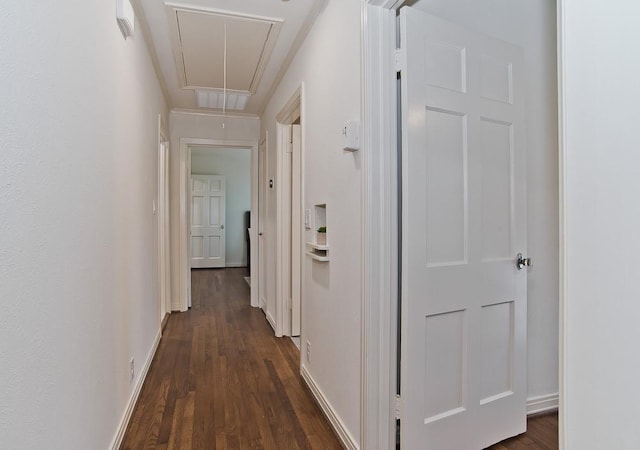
207,221
296,227
463,338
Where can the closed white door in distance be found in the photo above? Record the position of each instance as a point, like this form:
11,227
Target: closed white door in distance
207,221
463,351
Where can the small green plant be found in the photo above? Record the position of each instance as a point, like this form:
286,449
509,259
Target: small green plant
322,230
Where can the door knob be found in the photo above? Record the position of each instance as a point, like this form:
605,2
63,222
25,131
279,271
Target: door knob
523,262
259,234
222,226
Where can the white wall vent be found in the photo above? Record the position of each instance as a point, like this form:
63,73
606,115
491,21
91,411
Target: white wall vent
126,17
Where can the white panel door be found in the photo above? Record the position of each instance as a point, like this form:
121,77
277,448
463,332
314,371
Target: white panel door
463,354
207,221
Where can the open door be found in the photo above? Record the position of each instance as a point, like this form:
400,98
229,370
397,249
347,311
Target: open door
464,304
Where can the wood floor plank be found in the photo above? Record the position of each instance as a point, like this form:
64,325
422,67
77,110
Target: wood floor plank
221,380
542,434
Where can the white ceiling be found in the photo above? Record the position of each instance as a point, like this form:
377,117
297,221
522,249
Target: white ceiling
188,45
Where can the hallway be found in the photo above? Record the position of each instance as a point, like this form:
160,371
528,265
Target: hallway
220,379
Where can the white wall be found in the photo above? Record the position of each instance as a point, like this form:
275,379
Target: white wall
184,125
235,165
532,26
328,63
602,219
78,174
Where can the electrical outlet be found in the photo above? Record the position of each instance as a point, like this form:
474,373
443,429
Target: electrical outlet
132,370
308,351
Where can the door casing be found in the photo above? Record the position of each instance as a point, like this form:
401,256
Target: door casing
183,244
292,110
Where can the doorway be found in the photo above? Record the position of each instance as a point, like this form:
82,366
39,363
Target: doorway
289,229
240,237
379,403
164,267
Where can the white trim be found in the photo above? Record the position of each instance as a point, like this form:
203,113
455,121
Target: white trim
317,8
380,250
290,112
542,403
184,279
336,423
141,18
563,312
124,422
270,319
163,221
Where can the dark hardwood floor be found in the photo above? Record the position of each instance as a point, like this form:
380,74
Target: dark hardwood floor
542,434
221,380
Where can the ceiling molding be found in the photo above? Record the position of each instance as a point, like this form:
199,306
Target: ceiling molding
148,40
318,7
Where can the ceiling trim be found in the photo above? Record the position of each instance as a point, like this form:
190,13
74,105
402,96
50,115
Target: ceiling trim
146,34
318,7
172,13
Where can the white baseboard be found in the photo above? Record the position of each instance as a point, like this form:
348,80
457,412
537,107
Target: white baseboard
345,437
542,403
270,319
263,304
117,440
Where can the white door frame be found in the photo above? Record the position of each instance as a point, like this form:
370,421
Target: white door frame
380,234
289,113
164,269
562,244
185,176
263,170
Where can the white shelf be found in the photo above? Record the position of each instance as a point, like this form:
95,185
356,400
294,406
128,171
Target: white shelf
317,257
316,246
318,252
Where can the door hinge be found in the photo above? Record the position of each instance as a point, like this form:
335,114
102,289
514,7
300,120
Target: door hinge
398,59
398,407
290,147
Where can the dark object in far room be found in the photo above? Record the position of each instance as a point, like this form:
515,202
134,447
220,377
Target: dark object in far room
247,225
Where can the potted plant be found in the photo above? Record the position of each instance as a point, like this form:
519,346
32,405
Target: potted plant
321,238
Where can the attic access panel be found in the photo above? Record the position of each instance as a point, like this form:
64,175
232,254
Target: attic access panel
198,43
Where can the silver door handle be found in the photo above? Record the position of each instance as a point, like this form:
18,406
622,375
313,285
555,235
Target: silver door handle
222,226
523,262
